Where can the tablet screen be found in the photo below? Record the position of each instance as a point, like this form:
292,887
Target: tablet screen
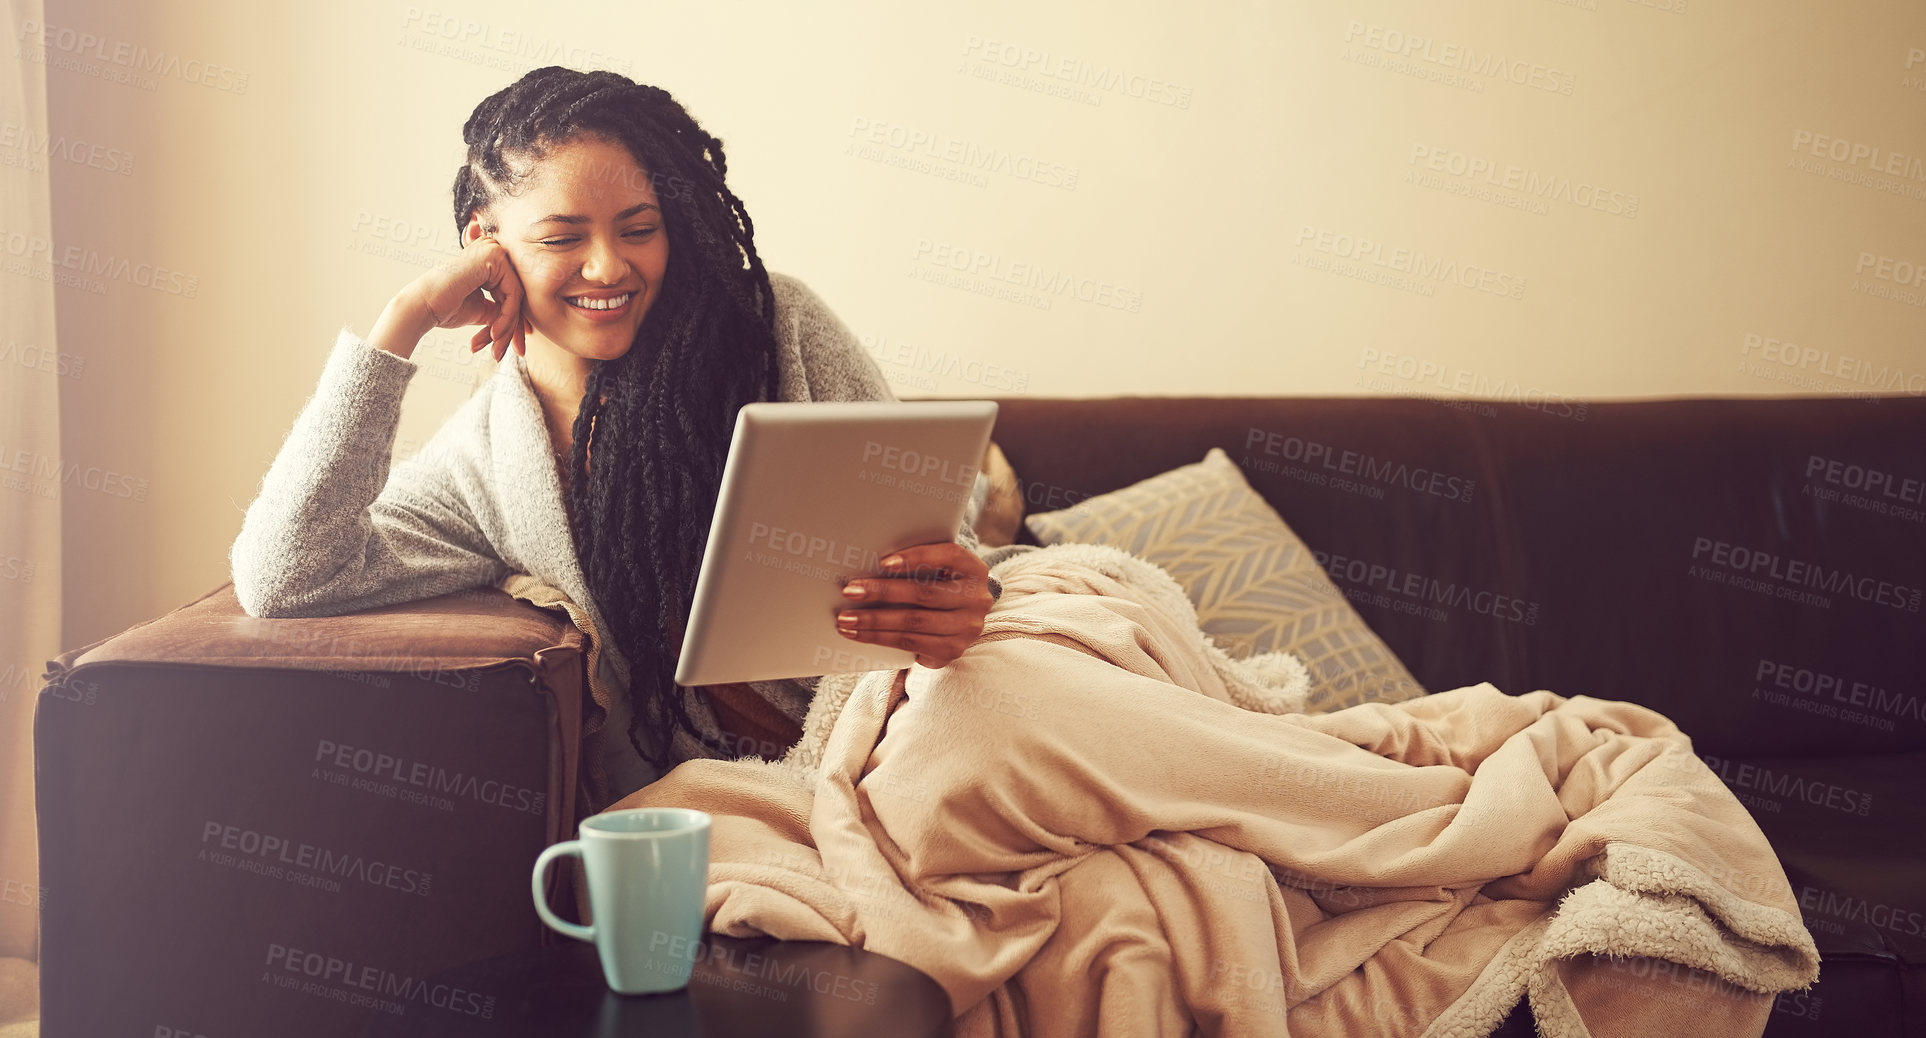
814,494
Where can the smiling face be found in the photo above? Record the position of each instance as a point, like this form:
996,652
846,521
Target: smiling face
586,235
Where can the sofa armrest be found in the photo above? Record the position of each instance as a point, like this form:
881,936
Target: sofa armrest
433,639
217,792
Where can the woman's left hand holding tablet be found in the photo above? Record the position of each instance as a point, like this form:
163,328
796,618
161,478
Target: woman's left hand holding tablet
931,603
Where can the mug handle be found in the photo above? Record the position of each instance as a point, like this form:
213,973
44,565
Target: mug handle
537,882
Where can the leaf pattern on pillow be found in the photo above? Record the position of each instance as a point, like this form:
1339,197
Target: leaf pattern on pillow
1256,586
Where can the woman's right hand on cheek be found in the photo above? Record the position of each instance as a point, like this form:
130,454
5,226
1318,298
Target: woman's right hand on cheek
480,286
454,294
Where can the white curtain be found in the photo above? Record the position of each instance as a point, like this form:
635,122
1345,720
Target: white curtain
30,483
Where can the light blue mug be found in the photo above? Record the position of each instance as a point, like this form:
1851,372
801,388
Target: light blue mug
648,871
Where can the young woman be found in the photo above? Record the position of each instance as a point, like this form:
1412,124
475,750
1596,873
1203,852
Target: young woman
602,246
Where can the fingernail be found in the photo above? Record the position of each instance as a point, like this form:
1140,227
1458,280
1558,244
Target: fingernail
893,562
845,619
854,591
847,632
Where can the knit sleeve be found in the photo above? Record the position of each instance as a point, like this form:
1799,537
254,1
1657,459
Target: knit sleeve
821,359
332,530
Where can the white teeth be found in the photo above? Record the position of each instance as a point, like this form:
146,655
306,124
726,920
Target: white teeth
601,304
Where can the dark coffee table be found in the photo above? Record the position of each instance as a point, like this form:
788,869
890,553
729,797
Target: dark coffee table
742,986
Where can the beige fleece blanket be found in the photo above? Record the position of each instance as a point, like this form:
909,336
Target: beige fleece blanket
1076,829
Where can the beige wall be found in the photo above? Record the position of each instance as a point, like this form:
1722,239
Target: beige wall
1141,198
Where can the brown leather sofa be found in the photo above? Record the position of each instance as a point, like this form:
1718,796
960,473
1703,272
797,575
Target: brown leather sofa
221,795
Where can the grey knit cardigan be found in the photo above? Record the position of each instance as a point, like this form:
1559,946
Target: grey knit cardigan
334,530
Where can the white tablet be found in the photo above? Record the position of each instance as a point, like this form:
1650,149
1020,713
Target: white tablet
812,495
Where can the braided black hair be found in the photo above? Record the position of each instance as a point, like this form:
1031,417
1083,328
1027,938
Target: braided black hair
662,412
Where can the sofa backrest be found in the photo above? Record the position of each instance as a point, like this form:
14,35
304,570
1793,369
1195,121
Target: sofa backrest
1753,568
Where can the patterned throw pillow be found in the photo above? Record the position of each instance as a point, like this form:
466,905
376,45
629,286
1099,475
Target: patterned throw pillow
996,524
1256,586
